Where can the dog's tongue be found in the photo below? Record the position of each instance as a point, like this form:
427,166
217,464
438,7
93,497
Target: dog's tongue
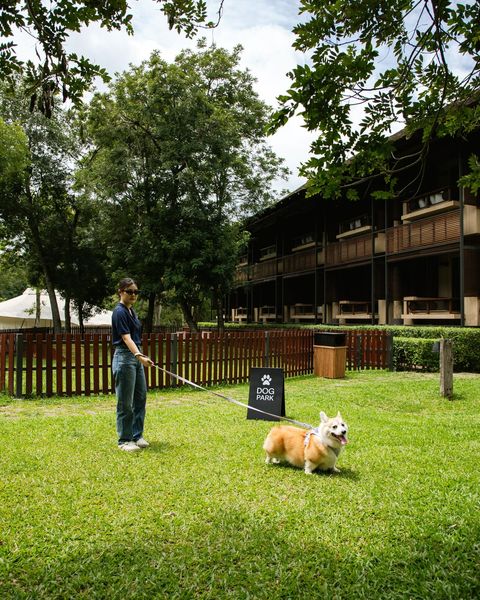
343,440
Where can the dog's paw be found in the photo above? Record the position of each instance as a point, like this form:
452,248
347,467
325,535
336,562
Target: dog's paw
308,472
266,379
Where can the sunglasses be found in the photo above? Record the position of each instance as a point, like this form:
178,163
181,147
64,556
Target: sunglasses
132,292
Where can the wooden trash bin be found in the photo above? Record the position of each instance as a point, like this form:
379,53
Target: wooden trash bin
329,354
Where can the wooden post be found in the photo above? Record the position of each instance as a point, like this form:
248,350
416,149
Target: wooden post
18,365
266,358
446,368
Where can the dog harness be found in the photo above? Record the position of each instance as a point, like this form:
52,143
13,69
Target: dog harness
313,431
316,431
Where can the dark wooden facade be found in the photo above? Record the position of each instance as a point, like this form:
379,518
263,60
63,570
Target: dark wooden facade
411,260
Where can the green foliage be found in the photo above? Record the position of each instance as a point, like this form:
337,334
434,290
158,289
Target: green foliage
465,340
62,73
178,158
15,155
44,224
200,515
14,280
395,61
410,354
472,180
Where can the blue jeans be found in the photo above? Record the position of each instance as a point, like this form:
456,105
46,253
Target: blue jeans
131,391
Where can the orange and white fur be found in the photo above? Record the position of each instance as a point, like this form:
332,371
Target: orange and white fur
309,450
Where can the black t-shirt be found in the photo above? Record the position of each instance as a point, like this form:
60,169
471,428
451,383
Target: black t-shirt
125,321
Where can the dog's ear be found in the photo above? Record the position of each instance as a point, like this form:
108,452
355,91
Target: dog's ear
323,417
339,416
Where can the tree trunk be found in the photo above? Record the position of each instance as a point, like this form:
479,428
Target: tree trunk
157,313
68,320
80,318
188,316
57,323
219,307
150,313
38,310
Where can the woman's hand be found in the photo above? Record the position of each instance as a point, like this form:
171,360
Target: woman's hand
145,360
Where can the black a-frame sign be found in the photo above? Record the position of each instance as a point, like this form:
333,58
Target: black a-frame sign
267,393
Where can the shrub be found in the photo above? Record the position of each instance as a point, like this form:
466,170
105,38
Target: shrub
465,342
410,354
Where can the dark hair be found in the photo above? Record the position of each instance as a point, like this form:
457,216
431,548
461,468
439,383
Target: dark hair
124,283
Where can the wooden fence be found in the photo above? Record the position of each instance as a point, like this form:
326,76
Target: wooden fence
369,349
71,364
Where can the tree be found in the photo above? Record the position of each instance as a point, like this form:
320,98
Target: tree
40,215
179,153
396,62
58,72
14,276
23,194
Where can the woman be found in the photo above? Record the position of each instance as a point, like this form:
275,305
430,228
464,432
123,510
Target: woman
127,365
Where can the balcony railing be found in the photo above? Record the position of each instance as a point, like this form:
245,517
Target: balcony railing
239,314
243,274
349,250
304,312
415,307
431,231
267,268
305,260
355,310
267,314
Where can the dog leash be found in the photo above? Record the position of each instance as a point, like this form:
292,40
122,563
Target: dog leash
233,401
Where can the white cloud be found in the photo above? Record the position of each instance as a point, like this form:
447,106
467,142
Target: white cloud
262,27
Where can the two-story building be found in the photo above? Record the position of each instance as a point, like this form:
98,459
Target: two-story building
410,260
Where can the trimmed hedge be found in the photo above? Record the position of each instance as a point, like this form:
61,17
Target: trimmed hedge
412,354
465,343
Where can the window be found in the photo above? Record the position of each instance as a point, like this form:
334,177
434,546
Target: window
268,252
305,239
355,223
427,200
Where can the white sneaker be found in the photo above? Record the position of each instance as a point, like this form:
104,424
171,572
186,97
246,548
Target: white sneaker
142,443
129,447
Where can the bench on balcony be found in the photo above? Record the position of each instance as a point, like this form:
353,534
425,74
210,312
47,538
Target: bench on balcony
355,310
416,307
304,312
267,314
239,315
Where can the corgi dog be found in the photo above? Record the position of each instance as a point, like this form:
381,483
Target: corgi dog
308,450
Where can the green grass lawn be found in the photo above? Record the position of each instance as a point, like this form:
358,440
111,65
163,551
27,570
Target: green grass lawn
200,515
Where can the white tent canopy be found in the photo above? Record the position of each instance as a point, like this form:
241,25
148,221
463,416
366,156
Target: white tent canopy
20,312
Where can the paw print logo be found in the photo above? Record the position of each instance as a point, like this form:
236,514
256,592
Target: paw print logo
266,380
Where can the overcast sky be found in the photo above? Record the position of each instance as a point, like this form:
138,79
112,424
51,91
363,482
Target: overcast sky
262,27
